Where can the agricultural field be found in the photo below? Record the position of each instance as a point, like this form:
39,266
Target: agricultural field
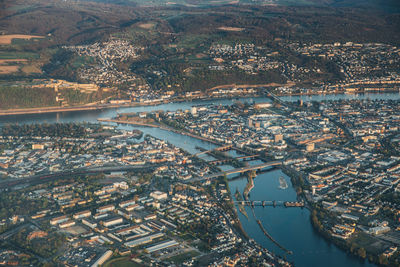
24,62
18,57
8,69
8,39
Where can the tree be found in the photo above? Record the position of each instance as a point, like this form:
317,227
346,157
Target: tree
362,253
383,260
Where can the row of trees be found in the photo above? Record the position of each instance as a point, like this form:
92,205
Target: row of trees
45,129
351,245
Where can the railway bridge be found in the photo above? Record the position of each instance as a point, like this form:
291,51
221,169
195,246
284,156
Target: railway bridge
237,170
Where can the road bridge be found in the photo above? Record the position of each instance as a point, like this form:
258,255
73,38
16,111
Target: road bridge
275,97
248,157
222,148
220,161
274,203
237,170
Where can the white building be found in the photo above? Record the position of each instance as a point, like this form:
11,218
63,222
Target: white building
158,195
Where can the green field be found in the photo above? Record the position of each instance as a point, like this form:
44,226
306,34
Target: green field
18,55
121,262
178,259
371,244
18,41
79,61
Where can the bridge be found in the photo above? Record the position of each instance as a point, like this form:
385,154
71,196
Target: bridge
220,161
237,170
222,148
274,203
283,103
275,97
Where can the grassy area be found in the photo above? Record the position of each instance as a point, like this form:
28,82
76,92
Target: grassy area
191,41
201,245
17,55
371,244
21,42
178,259
121,262
78,61
28,69
187,236
21,7
139,35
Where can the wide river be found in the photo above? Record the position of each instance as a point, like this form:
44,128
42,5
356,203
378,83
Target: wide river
291,227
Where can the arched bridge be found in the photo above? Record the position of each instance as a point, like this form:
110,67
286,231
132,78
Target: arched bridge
238,170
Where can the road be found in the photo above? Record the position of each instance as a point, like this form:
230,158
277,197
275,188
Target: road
11,232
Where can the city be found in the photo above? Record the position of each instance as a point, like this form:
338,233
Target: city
139,193
200,133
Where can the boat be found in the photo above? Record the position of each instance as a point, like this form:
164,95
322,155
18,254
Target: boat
282,183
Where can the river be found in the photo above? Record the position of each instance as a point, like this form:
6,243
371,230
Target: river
289,226
93,115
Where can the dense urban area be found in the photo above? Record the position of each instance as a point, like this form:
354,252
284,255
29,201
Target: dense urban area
136,133
97,192
147,212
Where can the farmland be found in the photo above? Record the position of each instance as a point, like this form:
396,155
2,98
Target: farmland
7,39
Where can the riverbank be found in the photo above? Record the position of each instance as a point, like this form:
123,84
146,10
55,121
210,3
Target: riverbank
315,218
342,92
159,126
249,186
41,110
239,198
290,227
90,107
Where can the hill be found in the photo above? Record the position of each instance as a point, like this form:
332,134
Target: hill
173,44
